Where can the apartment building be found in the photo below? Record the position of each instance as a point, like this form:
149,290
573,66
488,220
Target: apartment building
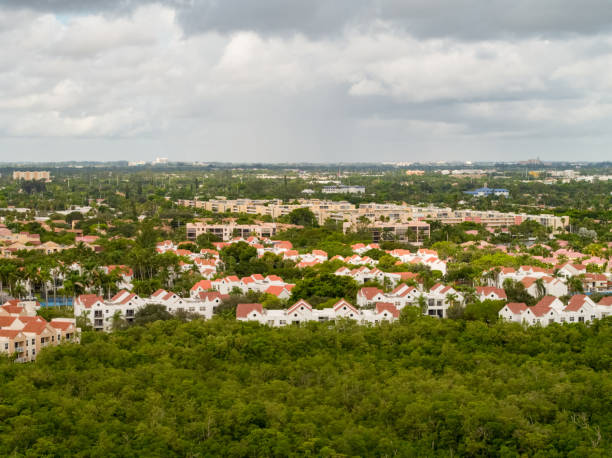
345,211
411,232
24,334
303,312
342,189
230,230
101,313
32,175
550,309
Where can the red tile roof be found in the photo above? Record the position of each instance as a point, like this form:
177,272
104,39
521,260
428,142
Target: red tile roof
387,307
35,326
87,300
576,303
63,325
6,321
243,310
516,307
606,301
369,292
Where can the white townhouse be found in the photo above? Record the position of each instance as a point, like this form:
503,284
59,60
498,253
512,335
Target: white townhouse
571,270
580,309
438,299
302,312
513,311
367,297
491,293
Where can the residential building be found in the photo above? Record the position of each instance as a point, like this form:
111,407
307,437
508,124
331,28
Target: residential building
24,333
227,231
32,175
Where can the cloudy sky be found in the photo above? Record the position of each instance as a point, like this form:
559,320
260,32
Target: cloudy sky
305,80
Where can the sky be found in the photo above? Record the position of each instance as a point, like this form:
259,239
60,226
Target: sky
305,80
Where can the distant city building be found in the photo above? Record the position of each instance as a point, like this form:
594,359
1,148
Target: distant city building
32,176
341,189
415,172
160,161
136,163
486,192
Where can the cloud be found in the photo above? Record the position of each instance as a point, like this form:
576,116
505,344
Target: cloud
462,19
378,83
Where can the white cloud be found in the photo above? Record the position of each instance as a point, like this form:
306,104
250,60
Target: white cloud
138,75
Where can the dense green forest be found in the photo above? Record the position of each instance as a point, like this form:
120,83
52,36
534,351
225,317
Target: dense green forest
420,387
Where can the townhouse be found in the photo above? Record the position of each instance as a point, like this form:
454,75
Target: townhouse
303,312
550,309
24,334
491,293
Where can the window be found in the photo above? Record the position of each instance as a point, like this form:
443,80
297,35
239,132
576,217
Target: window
202,309
282,322
33,341
571,318
6,346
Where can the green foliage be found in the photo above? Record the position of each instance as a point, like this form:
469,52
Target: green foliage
151,313
486,310
236,258
303,217
325,286
425,387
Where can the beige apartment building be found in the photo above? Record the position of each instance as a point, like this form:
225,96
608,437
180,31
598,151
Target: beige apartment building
347,212
32,175
228,231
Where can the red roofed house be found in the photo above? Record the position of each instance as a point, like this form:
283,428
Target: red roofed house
491,293
368,296
202,285
604,307
580,309
513,311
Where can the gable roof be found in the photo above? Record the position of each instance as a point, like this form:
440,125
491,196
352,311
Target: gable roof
243,310
576,303
299,303
35,326
369,292
276,289
488,290
387,307
606,301
343,303
203,284
516,307
87,300
546,301
63,325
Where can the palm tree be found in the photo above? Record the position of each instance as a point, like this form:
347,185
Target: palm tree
540,287
422,301
575,285
45,277
452,299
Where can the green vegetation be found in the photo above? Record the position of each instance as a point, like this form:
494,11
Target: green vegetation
423,387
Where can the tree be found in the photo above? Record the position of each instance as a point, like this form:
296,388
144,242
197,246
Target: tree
237,257
325,286
206,240
303,217
540,287
575,285
151,313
